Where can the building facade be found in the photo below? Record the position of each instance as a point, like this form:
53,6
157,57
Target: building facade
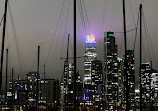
89,56
97,83
111,70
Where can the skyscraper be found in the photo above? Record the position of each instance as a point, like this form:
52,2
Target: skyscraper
131,79
111,69
66,84
97,83
146,84
66,87
154,85
90,55
131,76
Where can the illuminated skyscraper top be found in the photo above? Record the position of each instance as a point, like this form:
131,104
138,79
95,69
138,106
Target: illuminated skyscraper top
90,41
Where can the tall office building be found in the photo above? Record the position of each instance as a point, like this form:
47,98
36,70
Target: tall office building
131,77
97,83
154,85
90,55
146,84
67,80
120,81
70,84
66,86
111,70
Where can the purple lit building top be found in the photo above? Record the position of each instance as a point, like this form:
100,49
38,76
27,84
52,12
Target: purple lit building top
90,41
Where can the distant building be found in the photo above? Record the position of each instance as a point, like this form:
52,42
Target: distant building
31,77
111,70
154,85
90,55
66,86
66,83
121,86
50,91
131,78
25,90
97,83
22,93
146,84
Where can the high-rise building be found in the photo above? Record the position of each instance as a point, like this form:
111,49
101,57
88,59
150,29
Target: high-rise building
66,83
97,83
146,84
111,70
154,85
121,81
90,55
66,87
131,77
70,84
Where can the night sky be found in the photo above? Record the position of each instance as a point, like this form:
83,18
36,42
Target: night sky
35,22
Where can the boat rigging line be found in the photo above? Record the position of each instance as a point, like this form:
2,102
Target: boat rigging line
65,31
58,21
136,33
3,42
148,37
1,20
19,52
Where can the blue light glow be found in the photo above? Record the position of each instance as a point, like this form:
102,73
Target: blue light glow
87,91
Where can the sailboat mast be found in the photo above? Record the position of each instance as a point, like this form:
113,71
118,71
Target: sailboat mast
140,9
74,85
125,62
37,87
67,63
12,83
6,73
45,84
3,40
67,58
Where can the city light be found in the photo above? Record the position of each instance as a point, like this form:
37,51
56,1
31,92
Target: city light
137,91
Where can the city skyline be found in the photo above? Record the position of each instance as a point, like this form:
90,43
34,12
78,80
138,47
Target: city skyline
110,65
33,27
